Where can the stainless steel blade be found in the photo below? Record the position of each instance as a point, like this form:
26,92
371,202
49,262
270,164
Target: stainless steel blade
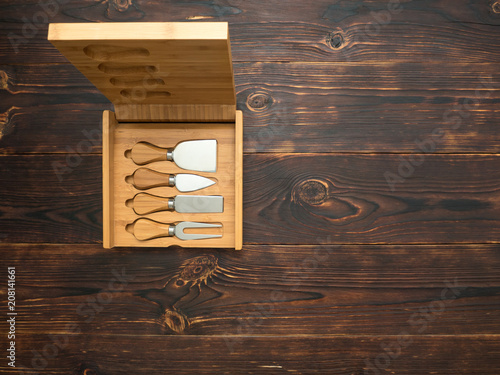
190,182
180,227
198,155
199,203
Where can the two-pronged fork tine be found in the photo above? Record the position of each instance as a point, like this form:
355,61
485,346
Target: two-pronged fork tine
179,230
147,229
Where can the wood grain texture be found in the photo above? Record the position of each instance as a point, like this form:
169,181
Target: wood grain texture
302,199
176,113
288,199
103,354
51,198
327,30
56,103
126,136
77,128
347,107
262,290
327,80
170,63
238,180
236,11
342,108
298,41
108,171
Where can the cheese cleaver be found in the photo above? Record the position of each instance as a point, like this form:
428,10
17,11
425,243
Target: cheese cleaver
144,203
200,155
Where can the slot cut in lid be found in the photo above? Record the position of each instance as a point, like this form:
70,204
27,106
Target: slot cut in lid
155,71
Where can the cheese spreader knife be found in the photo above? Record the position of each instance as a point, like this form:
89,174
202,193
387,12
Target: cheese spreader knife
200,155
145,178
144,203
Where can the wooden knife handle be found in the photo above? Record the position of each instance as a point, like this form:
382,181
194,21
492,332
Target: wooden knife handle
145,153
146,229
145,178
144,203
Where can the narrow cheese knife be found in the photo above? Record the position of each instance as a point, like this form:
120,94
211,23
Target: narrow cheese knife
144,203
200,155
145,178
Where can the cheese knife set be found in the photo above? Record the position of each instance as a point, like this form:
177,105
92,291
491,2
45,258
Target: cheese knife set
172,148
197,155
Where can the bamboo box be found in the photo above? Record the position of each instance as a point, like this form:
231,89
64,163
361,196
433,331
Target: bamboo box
169,83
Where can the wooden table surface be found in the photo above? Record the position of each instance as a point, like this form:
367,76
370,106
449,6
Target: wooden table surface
371,199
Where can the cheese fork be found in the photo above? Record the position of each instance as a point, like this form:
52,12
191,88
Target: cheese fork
147,229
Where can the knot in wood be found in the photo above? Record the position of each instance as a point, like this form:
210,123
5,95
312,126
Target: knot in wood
313,192
4,78
259,101
175,321
335,40
6,126
198,269
496,7
121,5
87,369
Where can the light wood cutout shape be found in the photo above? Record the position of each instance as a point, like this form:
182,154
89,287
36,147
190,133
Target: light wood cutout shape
155,71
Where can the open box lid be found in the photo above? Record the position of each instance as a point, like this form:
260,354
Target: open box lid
155,71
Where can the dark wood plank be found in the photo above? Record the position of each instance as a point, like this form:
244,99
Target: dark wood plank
53,129
342,108
236,11
338,295
300,107
262,290
49,109
288,199
52,85
51,198
364,355
327,30
303,199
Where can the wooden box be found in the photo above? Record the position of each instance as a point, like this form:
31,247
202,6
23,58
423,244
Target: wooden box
169,82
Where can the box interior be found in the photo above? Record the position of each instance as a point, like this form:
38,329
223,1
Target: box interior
123,136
